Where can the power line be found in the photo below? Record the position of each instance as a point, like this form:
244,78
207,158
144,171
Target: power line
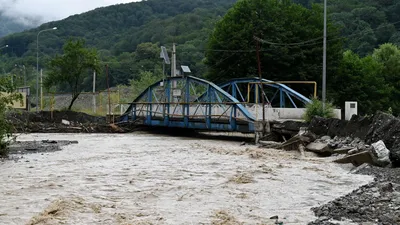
300,44
287,44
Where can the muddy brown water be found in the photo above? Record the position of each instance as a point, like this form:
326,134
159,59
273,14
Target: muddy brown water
154,179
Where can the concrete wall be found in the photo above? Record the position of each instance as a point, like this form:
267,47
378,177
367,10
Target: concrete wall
283,113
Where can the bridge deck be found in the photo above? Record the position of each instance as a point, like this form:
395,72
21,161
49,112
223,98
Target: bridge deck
194,103
213,124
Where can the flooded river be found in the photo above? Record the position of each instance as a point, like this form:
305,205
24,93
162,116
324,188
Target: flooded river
155,179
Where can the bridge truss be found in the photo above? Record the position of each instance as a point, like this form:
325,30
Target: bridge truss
194,103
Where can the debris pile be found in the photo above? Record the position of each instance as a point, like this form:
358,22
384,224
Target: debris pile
372,144
347,149
63,122
44,146
365,130
355,151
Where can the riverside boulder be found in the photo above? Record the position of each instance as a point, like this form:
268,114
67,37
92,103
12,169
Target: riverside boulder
380,153
320,148
369,129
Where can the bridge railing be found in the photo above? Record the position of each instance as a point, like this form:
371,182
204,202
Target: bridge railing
192,103
217,111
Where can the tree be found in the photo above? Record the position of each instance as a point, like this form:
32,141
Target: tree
389,56
359,79
146,79
7,97
231,47
72,68
118,31
363,39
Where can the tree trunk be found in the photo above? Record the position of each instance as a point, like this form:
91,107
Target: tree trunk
74,97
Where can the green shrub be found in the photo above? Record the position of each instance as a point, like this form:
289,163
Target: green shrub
390,111
315,108
7,97
3,148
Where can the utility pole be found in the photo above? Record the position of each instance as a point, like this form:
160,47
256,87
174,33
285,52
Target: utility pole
16,75
173,69
41,89
23,66
173,64
324,59
261,83
108,90
94,91
37,66
265,125
163,69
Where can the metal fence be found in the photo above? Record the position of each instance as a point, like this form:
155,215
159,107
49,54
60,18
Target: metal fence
99,103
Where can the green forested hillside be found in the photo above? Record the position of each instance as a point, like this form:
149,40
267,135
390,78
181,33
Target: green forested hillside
128,36
365,23
116,31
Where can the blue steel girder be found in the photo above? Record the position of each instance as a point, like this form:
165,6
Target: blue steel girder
281,88
203,106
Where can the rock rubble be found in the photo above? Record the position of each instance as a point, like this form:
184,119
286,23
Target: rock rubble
371,129
376,203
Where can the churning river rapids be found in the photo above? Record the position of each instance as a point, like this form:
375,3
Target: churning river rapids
154,179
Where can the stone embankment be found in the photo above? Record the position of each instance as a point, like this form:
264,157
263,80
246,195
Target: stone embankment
372,145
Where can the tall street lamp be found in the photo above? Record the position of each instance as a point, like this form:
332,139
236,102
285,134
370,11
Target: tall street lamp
324,61
37,66
6,46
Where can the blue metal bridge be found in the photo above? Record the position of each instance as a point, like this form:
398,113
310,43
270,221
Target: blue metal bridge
194,103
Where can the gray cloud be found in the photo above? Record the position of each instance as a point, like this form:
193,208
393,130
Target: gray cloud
34,12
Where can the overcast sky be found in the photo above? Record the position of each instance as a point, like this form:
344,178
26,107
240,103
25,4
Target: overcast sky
49,10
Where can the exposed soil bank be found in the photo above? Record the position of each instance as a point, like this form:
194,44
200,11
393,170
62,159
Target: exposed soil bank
51,122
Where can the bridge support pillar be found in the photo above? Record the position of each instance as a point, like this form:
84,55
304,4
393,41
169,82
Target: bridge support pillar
233,118
261,129
134,115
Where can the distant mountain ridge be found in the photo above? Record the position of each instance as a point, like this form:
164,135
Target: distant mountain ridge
120,28
117,31
9,26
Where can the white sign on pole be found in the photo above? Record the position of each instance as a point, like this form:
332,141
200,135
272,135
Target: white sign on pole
176,92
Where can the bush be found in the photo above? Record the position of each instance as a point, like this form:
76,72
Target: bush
3,149
315,108
7,97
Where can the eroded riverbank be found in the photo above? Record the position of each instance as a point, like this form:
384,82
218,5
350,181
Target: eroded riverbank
155,179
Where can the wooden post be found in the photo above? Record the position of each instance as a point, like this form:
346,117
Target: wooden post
94,92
